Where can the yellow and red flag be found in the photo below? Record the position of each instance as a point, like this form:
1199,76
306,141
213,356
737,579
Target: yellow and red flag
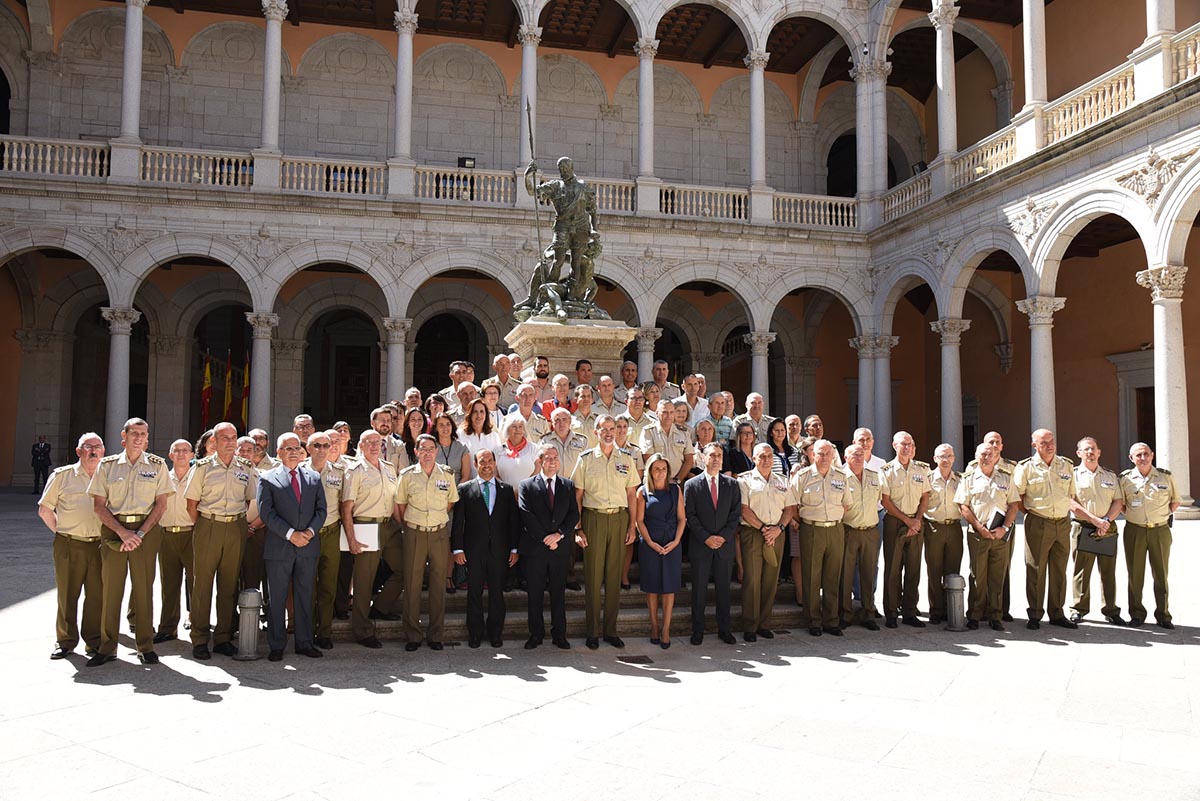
206,393
246,394
229,408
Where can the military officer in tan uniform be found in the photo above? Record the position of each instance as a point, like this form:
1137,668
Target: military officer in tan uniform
666,389
671,440
326,462
583,421
986,496
425,493
606,478
219,492
638,416
767,508
368,497
996,441
175,564
756,417
570,445
821,494
1046,484
505,380
629,382
1098,501
905,498
943,530
69,512
536,426
129,489
606,401
1150,499
861,526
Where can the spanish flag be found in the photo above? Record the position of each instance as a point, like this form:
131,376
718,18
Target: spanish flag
206,393
229,408
246,394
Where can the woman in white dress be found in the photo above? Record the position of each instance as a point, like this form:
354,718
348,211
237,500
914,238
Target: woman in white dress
516,458
477,432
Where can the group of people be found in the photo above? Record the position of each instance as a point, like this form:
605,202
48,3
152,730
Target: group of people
511,479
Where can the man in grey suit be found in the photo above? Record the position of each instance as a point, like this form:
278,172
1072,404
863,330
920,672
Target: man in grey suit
713,506
291,501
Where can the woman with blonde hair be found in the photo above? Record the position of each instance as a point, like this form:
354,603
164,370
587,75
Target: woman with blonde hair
660,522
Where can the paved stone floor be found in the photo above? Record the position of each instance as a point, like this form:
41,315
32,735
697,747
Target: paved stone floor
1096,713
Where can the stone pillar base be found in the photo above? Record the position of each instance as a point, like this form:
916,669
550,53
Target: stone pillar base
647,199
1187,510
401,179
267,165
1031,130
1153,67
762,202
941,175
600,341
124,161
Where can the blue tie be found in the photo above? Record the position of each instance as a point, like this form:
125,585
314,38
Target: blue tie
487,495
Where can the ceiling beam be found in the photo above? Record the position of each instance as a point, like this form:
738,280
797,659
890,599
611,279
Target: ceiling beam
294,12
731,32
620,34
513,28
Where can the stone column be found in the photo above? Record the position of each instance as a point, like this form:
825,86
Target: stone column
865,345
1160,18
274,11
1170,374
264,324
400,165
1041,309
116,408
951,329
286,368
870,97
397,337
167,404
709,364
943,16
646,337
529,37
646,49
883,387
131,74
761,196
805,371
1002,94
1033,16
760,342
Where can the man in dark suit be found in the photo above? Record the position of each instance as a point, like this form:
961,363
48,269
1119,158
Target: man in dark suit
712,525
549,514
291,501
484,537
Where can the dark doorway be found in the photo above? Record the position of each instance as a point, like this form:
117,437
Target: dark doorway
1144,415
841,168
442,339
89,372
5,99
341,369
223,340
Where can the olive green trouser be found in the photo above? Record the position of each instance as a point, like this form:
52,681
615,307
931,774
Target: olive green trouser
174,566
1081,578
603,559
901,568
943,557
327,577
989,566
77,567
821,551
216,554
1047,543
760,578
1142,542
139,564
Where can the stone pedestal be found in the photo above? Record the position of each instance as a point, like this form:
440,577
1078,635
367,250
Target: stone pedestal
600,341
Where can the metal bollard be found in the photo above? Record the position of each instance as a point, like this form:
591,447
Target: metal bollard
955,587
249,605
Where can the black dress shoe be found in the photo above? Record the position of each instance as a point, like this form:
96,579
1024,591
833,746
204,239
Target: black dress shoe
725,637
59,652
1032,625
532,642
697,639
436,645
411,646
324,643
750,636
973,625
615,642
1166,624
935,619
766,634
165,636
592,643
833,631
870,625
562,643
995,624
310,652
201,652
101,659
224,649
275,656
890,623
375,614
473,642
1006,617
370,642
814,631
915,622
1114,620
1076,618
1063,623
1134,622
90,652
574,586
342,615
148,658
497,643
626,586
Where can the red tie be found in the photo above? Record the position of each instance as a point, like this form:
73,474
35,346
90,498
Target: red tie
712,487
296,486
550,492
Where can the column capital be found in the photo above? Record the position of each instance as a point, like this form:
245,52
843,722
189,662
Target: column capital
168,346
884,345
646,48
1164,283
951,329
35,339
759,341
944,15
708,360
263,323
757,60
1004,351
865,346
646,337
275,10
397,329
120,319
405,21
805,365
1041,308
138,4
867,71
529,35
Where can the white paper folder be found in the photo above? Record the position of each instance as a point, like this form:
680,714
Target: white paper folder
366,533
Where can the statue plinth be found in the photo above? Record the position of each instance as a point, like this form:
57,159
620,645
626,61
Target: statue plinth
565,342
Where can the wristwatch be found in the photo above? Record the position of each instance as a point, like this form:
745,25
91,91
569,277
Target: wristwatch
140,534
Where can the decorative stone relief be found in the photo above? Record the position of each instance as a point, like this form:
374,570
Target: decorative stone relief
1041,308
759,341
648,266
227,47
119,240
34,340
951,329
1164,283
761,272
1152,176
1029,221
120,320
262,245
1004,351
398,254
348,56
938,251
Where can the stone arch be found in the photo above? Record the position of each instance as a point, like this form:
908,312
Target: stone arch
431,68
997,303
571,97
671,87
336,55
68,300
812,80
677,106
25,279
845,22
729,162
906,141
230,43
1069,219
1176,213
743,289
297,316
421,270
145,259
16,241
13,42
909,273
733,10
306,254
844,286
532,14
41,25
435,299
688,322
93,33
457,94
981,38
197,298
960,267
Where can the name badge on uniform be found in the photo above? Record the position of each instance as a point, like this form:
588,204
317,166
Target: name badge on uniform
1159,486
1107,484
812,487
443,486
147,474
242,477
918,479
622,468
1064,476
837,485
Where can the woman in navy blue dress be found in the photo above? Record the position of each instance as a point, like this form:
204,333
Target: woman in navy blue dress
660,522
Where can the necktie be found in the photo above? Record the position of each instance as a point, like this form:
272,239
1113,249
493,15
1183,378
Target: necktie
296,485
550,492
712,488
487,495
383,449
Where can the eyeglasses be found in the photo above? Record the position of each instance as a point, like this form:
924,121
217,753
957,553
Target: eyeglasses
320,446
291,448
426,449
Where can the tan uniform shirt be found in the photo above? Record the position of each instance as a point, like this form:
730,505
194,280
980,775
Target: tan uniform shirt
569,451
639,458
987,495
392,451
636,427
1096,491
604,479
427,498
669,391
586,426
614,409
821,499
536,426
508,389
268,463
621,392
371,489
177,513
676,445
221,490
1148,498
941,497
66,492
130,488
766,497
333,478
761,426
1046,489
864,499
905,485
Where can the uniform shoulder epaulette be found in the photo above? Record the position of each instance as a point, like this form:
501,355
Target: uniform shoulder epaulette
152,459
626,451
1005,469
1124,473
60,469
1163,470
956,474
1026,460
920,463
408,469
111,458
1065,459
244,462
206,460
